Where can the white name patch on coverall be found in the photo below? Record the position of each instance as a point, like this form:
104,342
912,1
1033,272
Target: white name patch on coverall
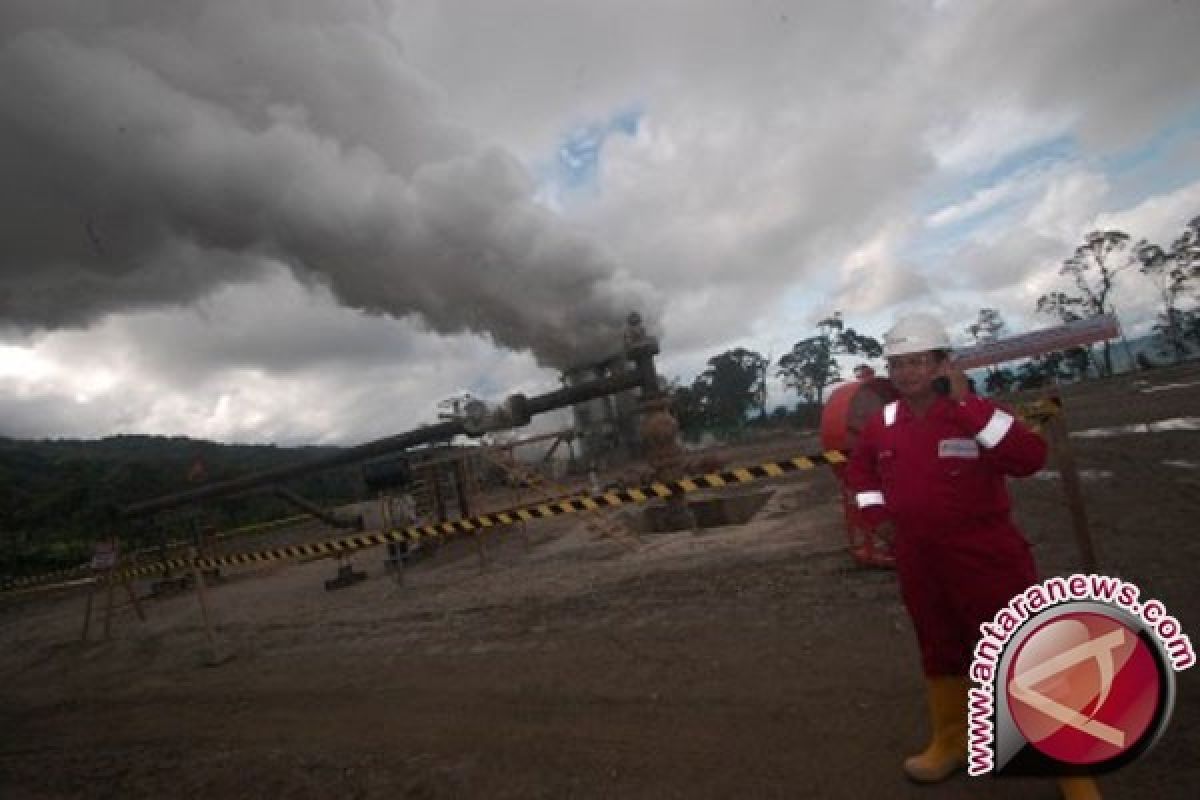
958,448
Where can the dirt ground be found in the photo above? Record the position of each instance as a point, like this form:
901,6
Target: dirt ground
752,661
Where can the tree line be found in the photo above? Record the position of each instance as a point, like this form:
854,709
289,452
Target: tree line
733,385
58,497
731,392
1091,273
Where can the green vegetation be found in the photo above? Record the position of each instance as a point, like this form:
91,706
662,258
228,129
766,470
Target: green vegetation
729,398
811,365
1092,271
58,497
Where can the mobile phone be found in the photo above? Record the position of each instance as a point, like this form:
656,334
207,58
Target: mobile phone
941,385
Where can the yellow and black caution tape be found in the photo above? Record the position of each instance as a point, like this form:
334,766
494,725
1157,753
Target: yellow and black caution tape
71,573
1042,410
85,570
482,522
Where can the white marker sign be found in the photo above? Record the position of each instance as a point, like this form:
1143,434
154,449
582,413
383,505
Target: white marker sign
105,555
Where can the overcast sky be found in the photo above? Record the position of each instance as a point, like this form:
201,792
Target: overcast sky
308,222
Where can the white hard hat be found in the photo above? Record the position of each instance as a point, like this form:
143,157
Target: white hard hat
915,333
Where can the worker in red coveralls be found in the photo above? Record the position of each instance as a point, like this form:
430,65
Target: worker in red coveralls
929,472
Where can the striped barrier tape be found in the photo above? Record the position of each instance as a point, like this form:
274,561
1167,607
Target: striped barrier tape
70,573
1040,411
483,522
85,570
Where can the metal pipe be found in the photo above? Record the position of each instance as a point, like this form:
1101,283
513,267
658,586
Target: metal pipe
570,395
442,431
647,374
328,517
257,480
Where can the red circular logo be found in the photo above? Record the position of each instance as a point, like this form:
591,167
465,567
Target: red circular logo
1083,688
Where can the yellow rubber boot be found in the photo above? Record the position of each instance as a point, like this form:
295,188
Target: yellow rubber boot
947,750
1079,788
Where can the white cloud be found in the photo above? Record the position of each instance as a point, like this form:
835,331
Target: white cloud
1159,219
1068,204
985,137
982,201
384,153
999,204
272,363
873,277
22,366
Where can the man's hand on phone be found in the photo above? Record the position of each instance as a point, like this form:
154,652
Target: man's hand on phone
959,388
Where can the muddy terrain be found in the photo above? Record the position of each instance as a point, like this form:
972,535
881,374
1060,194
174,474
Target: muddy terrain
751,661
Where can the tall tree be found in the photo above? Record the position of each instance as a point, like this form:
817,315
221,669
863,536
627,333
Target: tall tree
688,407
987,327
811,365
1173,272
729,387
1093,269
847,341
808,368
1039,371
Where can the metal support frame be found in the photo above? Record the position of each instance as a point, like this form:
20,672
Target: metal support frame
329,518
644,377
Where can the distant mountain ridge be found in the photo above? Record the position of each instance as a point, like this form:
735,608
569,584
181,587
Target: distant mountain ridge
56,495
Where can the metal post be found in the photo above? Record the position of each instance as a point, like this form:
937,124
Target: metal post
109,580
87,611
215,657
1064,457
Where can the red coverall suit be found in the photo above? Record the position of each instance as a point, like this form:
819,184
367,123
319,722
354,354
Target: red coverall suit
941,480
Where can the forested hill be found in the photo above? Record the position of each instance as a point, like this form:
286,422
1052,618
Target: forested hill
55,494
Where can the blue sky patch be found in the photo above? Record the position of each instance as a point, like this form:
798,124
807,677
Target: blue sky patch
1134,173
1059,150
576,163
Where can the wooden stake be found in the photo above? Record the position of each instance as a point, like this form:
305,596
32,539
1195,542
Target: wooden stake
108,603
439,501
461,489
133,599
513,476
87,612
1064,456
215,656
105,560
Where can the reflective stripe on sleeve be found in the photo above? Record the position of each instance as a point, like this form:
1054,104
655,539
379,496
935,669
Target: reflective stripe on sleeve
865,499
889,413
994,431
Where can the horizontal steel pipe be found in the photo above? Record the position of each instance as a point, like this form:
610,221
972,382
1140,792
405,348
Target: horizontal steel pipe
560,398
259,480
328,517
572,395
